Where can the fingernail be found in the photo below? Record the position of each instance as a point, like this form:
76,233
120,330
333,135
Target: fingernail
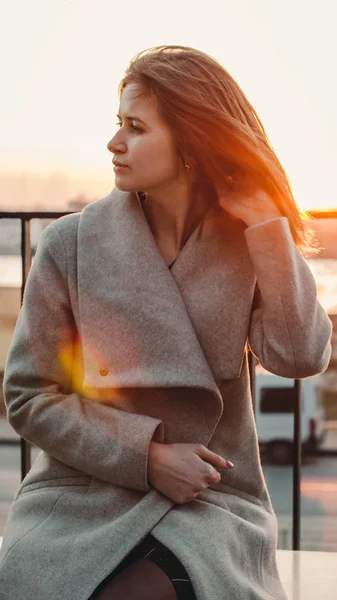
229,464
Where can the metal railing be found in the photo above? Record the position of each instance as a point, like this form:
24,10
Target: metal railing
25,448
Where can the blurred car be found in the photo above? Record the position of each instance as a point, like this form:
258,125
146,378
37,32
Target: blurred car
274,414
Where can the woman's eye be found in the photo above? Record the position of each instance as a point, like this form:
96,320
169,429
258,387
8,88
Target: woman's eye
136,129
133,127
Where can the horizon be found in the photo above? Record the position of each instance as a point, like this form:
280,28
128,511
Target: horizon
27,190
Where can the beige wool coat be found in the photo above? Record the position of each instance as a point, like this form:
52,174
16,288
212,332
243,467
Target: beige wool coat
112,350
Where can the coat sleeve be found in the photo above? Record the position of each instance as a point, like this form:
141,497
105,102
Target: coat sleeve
43,407
290,332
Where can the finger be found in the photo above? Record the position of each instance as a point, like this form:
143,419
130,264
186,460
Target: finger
214,459
191,498
213,476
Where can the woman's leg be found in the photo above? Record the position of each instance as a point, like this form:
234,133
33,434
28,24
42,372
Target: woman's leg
141,580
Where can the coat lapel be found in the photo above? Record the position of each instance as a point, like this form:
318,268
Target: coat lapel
216,279
135,330
143,325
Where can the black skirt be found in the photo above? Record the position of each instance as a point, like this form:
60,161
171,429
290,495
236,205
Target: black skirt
151,549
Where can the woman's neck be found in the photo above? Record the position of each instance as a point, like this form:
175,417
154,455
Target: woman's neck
173,220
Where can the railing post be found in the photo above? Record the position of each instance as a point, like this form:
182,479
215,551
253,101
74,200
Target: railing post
26,256
297,464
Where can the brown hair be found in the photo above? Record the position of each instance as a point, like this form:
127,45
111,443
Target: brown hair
214,124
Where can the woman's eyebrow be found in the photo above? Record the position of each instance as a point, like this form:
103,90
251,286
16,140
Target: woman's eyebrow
131,119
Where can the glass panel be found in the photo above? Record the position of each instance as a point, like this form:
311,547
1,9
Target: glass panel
319,430
10,298
319,423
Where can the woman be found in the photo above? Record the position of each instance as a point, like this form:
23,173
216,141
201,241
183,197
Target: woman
128,365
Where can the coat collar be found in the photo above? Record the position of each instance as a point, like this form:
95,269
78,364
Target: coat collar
144,325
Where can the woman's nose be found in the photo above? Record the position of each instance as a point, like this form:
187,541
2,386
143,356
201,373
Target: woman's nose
116,145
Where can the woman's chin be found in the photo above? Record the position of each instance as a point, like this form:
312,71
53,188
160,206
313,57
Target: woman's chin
123,186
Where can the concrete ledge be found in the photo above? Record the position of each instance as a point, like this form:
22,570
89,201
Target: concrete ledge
306,575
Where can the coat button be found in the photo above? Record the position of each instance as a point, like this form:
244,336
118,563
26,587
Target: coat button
103,371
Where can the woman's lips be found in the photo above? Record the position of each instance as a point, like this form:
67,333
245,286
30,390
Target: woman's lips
119,168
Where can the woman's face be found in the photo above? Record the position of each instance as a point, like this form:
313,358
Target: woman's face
144,144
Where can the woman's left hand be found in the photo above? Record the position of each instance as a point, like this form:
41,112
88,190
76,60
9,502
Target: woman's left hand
253,209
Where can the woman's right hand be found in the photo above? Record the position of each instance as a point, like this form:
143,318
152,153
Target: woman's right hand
182,471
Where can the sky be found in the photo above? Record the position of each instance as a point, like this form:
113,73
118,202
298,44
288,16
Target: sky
62,60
